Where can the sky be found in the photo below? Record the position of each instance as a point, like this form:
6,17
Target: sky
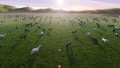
64,4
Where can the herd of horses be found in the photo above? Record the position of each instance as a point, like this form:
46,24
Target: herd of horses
115,29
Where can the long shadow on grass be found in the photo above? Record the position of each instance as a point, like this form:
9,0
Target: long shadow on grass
100,47
39,37
77,39
18,42
82,31
31,60
71,57
113,48
15,37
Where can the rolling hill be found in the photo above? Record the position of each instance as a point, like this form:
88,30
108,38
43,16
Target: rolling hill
23,9
8,8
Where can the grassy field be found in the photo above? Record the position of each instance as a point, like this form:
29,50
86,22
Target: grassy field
15,53
2,9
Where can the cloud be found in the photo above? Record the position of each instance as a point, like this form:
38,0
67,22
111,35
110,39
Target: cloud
68,4
109,1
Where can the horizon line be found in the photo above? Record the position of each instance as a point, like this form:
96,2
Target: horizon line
63,9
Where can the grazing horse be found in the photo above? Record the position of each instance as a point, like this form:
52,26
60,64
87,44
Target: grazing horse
29,24
68,44
39,27
41,33
105,19
114,30
23,36
49,29
111,26
2,21
74,31
16,27
114,20
105,40
1,45
35,49
2,35
95,28
117,34
98,25
26,30
89,34
94,40
43,29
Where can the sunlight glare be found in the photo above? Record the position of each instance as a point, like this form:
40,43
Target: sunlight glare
60,2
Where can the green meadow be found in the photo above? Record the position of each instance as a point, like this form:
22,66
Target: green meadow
82,53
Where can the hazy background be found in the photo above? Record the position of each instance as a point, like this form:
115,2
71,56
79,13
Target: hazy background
64,4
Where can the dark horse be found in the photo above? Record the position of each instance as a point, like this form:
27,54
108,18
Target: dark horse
23,36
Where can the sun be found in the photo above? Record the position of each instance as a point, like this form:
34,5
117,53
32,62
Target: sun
60,2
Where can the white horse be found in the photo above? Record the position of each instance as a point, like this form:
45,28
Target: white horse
116,27
105,40
117,34
2,35
34,50
41,33
94,28
88,34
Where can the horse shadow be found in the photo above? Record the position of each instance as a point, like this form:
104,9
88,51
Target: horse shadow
100,47
82,31
15,38
39,38
71,57
113,48
15,45
77,39
31,60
